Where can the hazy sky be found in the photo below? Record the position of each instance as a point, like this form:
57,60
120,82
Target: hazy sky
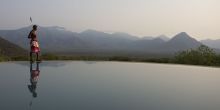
199,18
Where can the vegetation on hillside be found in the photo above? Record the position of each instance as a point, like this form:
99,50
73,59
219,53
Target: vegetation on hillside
10,50
4,58
202,55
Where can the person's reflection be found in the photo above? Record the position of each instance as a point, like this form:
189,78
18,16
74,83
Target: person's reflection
34,77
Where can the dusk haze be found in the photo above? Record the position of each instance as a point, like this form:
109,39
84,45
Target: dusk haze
109,55
200,18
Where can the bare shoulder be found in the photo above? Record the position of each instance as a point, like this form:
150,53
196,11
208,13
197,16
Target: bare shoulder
34,32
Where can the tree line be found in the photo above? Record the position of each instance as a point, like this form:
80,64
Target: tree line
203,55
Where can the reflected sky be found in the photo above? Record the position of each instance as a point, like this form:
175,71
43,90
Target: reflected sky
109,86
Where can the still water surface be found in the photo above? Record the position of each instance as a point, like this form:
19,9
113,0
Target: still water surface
108,86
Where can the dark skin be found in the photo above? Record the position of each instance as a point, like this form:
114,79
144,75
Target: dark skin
31,53
37,54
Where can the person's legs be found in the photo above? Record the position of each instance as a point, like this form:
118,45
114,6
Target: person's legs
38,56
31,57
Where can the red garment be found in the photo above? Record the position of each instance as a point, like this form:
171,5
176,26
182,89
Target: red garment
35,73
35,47
34,42
35,76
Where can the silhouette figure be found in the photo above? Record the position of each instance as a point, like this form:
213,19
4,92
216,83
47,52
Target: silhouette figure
34,44
34,77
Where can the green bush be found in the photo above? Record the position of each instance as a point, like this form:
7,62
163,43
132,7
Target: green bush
50,57
203,55
19,58
4,58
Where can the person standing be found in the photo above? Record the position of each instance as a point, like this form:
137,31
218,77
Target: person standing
34,44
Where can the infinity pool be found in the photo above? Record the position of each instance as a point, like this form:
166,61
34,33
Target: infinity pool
79,85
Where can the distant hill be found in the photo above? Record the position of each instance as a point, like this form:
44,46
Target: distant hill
148,45
163,37
147,38
181,41
101,40
160,45
124,36
52,39
212,43
92,42
10,49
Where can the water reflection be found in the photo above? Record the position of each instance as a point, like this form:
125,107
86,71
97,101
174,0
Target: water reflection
109,86
34,77
55,64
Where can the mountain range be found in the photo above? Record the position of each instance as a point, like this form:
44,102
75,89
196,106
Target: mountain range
91,42
212,43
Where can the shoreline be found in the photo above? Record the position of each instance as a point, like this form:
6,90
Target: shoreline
168,61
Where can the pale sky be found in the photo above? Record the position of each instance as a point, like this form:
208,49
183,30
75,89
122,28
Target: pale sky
199,18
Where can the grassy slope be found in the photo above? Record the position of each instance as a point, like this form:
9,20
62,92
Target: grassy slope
10,49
